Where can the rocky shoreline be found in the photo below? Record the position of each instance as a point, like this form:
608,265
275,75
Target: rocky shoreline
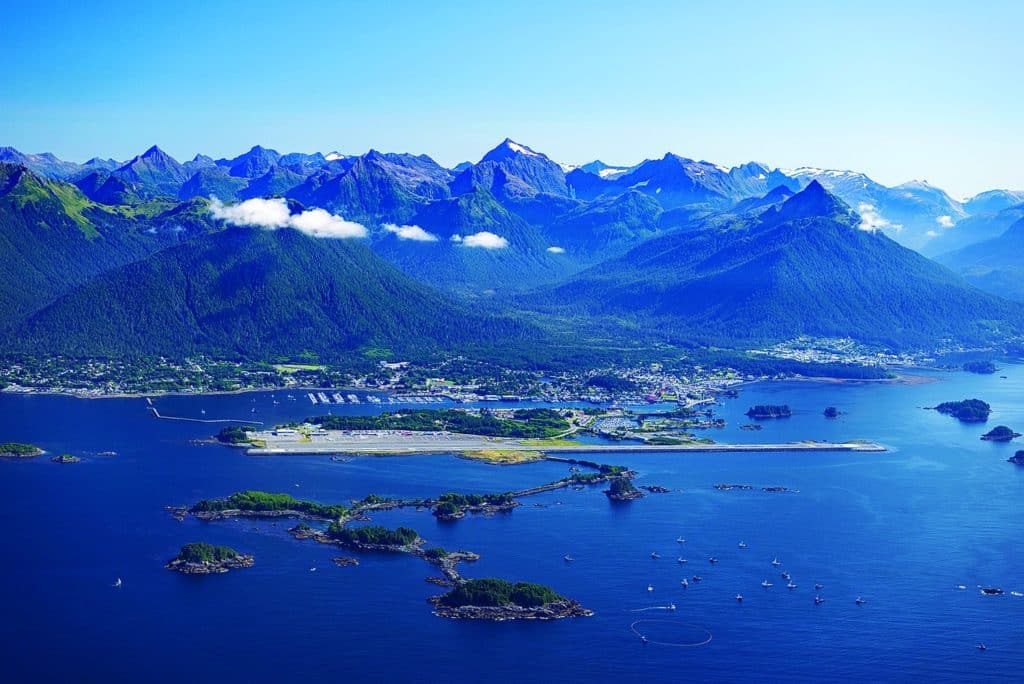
211,567
549,611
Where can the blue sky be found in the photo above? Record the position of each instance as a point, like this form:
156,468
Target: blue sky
900,90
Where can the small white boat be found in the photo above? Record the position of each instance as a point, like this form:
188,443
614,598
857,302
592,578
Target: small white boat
981,647
650,587
776,562
860,601
818,600
643,640
766,584
117,583
680,540
670,606
819,586
681,560
785,576
1016,593
739,597
790,585
961,586
743,545
654,554
569,559
712,560
312,569
684,583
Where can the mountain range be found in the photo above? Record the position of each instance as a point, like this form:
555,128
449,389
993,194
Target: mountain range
158,257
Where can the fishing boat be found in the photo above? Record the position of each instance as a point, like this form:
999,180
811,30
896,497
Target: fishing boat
117,583
569,559
860,601
680,540
818,600
739,597
790,585
684,583
654,554
650,587
743,545
766,584
776,562
681,560
712,560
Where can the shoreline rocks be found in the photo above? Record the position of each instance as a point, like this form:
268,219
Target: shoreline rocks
211,567
549,611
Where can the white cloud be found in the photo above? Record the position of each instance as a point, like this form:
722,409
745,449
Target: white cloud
265,213
932,234
320,223
485,240
871,220
945,221
273,213
414,233
456,238
556,250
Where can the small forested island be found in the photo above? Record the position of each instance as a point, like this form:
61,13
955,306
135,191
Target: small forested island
831,412
1000,433
264,505
65,458
980,367
1017,458
452,506
765,411
200,558
621,489
19,450
498,599
966,411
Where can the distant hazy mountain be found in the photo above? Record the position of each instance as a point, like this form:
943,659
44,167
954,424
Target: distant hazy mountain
995,265
804,267
512,170
478,246
253,293
914,214
256,162
993,201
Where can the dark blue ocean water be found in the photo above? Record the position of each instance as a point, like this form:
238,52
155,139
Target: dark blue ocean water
901,529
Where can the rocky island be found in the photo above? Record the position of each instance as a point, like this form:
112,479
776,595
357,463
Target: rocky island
768,411
966,411
19,450
200,558
1017,458
65,458
621,489
497,599
831,412
1000,433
